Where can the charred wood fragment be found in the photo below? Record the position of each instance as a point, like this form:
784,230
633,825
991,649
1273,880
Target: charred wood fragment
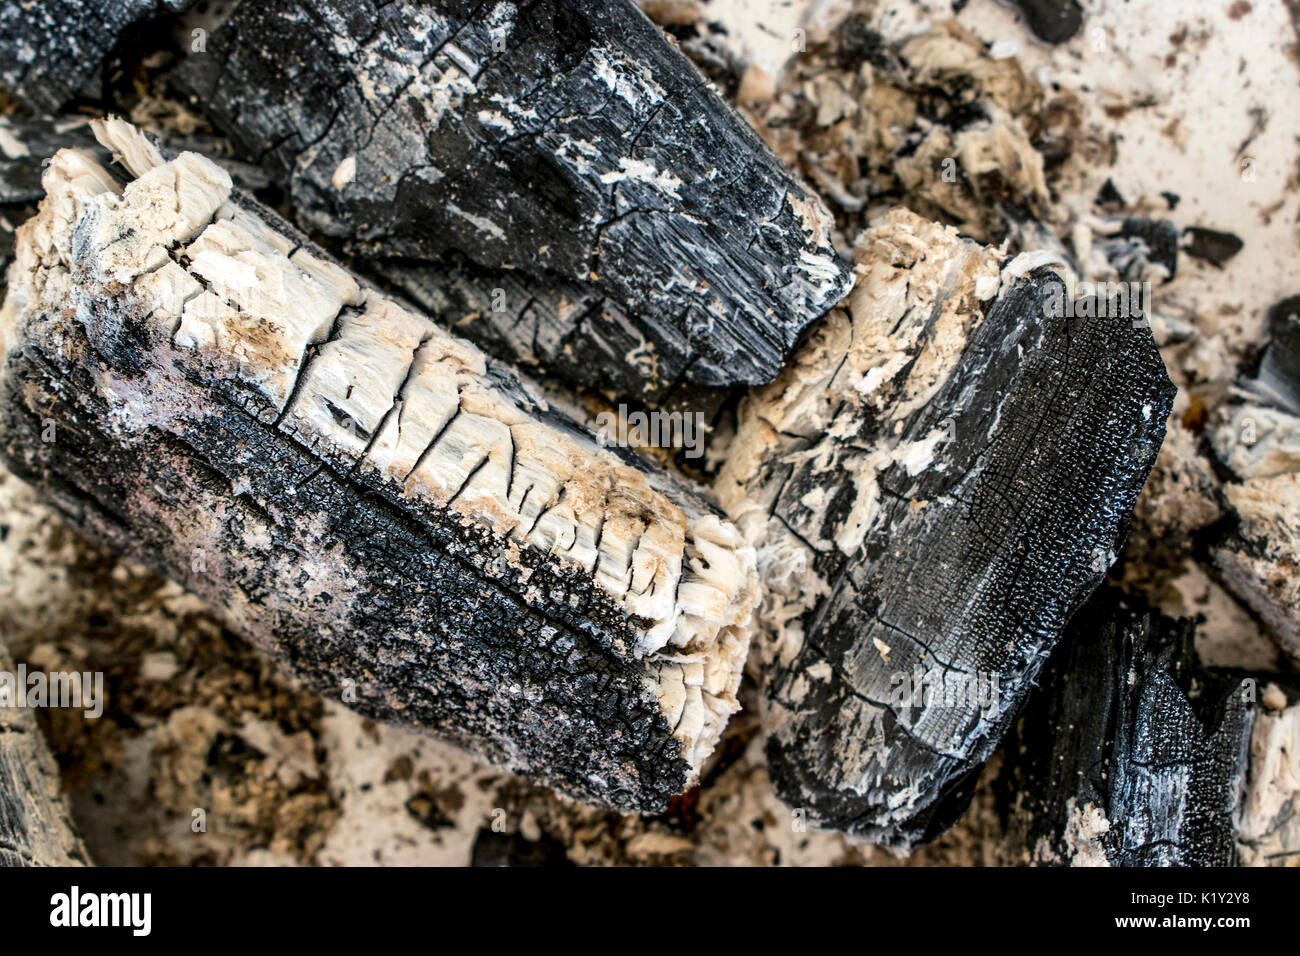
1211,245
1129,753
940,478
55,51
36,828
400,522
1052,21
1268,826
554,177
1257,439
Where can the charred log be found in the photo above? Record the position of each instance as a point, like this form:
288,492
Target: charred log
401,523
553,177
940,478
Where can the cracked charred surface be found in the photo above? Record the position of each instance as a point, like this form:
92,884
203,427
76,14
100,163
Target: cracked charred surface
389,514
36,828
1258,439
554,176
53,51
937,481
1129,753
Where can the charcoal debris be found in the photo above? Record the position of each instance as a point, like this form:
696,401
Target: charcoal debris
1211,245
1138,245
1052,21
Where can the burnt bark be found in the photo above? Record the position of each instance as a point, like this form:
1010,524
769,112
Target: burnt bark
1130,753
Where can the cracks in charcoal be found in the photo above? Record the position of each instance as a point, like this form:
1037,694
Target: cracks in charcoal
802,540
309,144
816,627
843,361
793,436
399,399
437,437
907,731
524,500
309,478
569,547
680,378
636,138
527,305
776,499
309,353
682,716
611,203
600,532
680,97
546,508
945,665
677,589
890,493
494,55
510,470
593,308
378,118
537,334
468,478
618,622
631,565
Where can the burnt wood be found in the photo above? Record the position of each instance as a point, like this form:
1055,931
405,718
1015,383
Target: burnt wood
1130,753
